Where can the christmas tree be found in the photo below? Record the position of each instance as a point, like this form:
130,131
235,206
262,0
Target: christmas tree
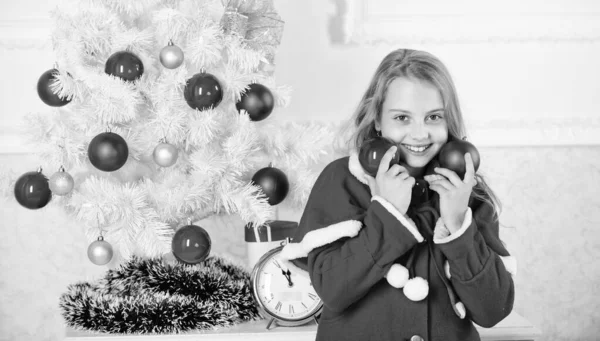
162,113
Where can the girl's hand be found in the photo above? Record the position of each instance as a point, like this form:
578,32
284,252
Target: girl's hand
394,184
454,193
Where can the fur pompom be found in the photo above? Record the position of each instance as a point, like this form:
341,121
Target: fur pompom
416,289
397,276
150,296
460,310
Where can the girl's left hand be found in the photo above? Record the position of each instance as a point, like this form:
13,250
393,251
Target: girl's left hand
454,193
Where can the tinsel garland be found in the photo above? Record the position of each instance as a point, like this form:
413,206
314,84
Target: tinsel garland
151,296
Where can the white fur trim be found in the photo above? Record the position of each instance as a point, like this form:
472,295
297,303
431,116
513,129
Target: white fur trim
356,169
455,235
408,223
397,276
416,289
510,263
447,269
320,237
460,310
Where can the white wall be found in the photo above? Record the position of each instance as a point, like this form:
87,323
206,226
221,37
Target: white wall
532,107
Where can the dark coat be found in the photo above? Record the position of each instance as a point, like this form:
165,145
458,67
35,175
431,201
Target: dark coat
348,273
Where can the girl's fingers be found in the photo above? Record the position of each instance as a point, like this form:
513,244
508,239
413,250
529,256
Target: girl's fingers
439,189
396,169
384,164
450,175
470,173
443,183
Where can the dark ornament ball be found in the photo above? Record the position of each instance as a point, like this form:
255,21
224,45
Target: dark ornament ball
45,91
203,91
452,156
258,101
124,65
191,244
372,151
108,152
32,190
274,184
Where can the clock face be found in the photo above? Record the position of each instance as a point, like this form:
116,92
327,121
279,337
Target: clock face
284,293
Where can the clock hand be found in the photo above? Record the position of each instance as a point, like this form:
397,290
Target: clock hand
288,275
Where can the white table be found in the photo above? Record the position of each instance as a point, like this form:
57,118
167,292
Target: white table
514,327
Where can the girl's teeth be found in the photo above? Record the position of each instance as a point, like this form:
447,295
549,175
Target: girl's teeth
416,149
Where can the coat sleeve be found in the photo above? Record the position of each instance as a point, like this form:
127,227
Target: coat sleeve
480,267
345,267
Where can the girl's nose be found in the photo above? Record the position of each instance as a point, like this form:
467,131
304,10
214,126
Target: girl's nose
419,131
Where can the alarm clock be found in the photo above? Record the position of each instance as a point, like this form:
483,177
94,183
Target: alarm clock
284,293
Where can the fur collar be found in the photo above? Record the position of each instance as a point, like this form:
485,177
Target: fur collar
356,169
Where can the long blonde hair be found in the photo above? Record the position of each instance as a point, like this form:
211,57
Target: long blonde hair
421,66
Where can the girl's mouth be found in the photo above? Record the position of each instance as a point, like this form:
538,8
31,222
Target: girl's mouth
416,150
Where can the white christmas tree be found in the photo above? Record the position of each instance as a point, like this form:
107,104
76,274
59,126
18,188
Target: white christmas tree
124,67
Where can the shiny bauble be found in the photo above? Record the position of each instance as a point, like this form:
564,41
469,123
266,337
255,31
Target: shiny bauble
372,151
45,92
203,91
171,56
61,182
124,65
274,184
191,244
165,154
108,152
32,190
257,101
452,156
100,252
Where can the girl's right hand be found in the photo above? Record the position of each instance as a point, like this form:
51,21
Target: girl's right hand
394,184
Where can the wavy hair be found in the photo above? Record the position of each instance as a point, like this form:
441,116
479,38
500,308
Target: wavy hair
421,66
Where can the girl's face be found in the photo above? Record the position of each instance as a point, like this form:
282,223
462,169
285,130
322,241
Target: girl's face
413,117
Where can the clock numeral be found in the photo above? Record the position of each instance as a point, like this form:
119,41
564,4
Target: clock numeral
278,306
304,305
313,296
291,309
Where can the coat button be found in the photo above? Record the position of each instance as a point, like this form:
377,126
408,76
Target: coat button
416,338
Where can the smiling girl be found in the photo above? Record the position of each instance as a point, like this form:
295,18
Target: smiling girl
356,227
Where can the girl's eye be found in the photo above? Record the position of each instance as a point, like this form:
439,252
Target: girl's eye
401,118
435,117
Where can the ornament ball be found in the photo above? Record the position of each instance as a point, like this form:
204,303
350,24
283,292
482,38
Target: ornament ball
191,244
274,184
203,91
45,92
165,155
452,156
171,56
32,190
371,152
258,102
108,152
100,252
61,182
124,65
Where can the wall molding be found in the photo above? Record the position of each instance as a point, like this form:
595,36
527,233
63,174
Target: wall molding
496,132
366,22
